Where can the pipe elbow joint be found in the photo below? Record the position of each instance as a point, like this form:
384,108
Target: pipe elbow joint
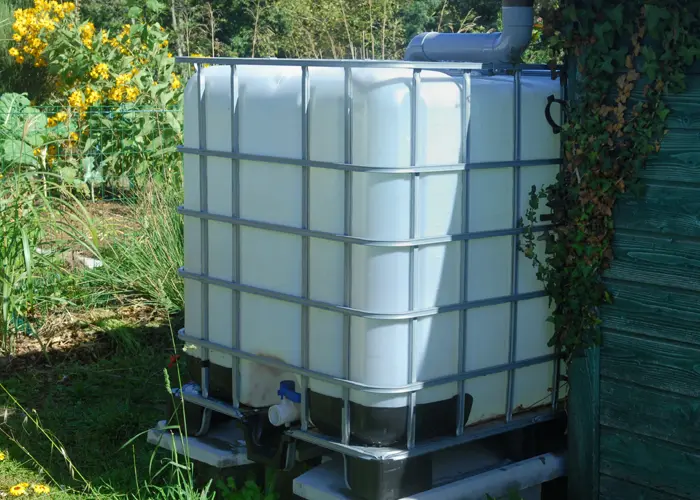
414,50
504,47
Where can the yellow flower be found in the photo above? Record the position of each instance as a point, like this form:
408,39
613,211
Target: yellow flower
164,44
14,52
2,456
18,490
73,137
175,83
76,99
115,94
131,94
17,37
19,59
100,70
92,96
123,79
87,31
41,489
170,54
61,116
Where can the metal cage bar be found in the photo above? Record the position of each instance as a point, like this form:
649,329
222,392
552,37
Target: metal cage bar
462,341
204,251
305,100
357,386
413,218
513,334
204,229
564,90
236,236
413,243
347,252
417,242
366,63
368,169
326,306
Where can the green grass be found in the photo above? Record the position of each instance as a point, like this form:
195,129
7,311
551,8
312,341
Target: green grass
143,263
92,409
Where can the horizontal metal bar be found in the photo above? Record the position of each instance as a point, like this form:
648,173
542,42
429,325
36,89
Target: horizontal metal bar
327,306
474,433
426,169
322,235
357,63
213,405
374,389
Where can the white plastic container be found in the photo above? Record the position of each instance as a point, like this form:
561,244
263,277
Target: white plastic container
269,114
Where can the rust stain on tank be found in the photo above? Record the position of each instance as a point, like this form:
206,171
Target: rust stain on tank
264,381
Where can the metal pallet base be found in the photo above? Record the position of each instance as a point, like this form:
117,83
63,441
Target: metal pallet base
466,472
459,474
222,447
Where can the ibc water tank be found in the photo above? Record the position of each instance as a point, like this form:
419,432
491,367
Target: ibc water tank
385,276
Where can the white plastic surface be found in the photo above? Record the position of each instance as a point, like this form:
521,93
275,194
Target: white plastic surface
270,124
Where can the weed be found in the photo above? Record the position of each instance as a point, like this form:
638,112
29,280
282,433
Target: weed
144,262
26,212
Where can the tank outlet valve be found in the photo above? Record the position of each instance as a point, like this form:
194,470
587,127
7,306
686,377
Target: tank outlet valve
287,411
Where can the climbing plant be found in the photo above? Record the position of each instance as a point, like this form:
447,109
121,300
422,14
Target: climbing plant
626,56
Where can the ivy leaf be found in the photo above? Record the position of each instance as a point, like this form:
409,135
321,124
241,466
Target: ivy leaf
654,15
570,13
615,15
607,65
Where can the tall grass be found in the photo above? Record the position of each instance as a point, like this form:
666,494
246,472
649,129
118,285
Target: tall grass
28,210
143,263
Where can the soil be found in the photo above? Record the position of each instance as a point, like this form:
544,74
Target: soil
80,336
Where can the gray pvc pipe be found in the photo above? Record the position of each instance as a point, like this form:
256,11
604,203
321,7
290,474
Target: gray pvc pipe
500,47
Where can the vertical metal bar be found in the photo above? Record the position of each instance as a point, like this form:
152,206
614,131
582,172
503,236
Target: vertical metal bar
305,97
236,236
204,228
514,268
347,274
411,421
564,90
461,360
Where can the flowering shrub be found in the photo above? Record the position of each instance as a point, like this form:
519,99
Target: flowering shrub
104,82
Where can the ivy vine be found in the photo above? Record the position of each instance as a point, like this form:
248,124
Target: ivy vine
629,55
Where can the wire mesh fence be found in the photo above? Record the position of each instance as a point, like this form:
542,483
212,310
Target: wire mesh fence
100,152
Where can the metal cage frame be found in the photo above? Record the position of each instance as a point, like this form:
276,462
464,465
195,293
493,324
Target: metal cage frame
463,434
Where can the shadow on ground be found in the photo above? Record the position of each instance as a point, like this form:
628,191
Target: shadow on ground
92,395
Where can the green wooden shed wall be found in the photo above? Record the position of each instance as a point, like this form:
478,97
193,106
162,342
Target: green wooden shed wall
635,402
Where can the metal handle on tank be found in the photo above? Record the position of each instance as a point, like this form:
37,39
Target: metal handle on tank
548,112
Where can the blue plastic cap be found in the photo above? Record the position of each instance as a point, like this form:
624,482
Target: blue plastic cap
286,390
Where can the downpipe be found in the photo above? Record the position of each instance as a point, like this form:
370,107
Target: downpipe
501,48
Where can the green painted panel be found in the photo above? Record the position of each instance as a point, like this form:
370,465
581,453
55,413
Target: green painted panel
685,107
649,462
614,489
678,160
649,412
652,363
656,260
583,414
654,312
663,210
